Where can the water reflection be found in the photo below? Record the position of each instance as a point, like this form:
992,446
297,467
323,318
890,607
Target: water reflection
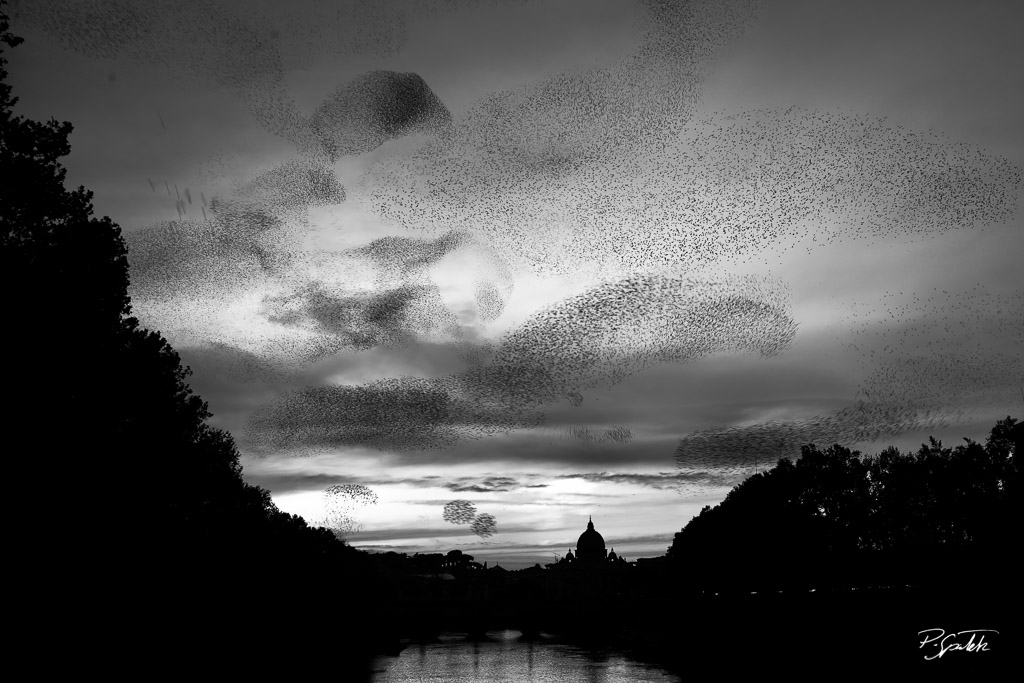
506,656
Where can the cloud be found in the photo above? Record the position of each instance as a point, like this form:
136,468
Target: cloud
615,175
661,480
290,481
247,48
486,485
280,483
931,359
588,501
218,362
604,174
392,414
422,534
600,337
185,272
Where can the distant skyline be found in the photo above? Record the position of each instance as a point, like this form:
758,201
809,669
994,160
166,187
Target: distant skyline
591,259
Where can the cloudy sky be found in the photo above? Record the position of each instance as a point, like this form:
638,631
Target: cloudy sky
540,260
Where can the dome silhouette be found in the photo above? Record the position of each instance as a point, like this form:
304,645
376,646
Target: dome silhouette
590,545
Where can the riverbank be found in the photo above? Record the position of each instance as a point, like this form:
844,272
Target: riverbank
932,633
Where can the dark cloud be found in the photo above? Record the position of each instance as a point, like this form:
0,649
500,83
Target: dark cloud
623,541
660,480
589,503
393,414
531,447
485,485
290,482
422,534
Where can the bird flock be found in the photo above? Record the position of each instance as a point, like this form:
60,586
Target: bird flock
595,339
247,49
483,525
342,505
611,175
732,187
616,434
931,359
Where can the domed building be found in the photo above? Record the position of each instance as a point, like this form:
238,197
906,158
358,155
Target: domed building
590,551
590,546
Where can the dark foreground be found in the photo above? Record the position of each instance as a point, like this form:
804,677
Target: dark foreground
811,634
804,635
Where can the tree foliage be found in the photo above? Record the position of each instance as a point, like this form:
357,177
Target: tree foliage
836,518
128,494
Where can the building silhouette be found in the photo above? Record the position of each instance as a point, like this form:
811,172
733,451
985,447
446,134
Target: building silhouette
591,552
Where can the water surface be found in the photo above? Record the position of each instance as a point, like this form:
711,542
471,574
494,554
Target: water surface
505,656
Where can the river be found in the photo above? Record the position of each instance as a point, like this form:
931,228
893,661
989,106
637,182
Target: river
506,656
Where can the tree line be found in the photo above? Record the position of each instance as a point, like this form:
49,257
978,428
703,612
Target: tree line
837,519
132,522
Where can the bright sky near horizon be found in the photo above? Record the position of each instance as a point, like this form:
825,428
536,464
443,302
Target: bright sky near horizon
594,258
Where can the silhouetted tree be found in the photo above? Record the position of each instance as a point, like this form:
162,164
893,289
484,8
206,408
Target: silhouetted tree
834,518
132,505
